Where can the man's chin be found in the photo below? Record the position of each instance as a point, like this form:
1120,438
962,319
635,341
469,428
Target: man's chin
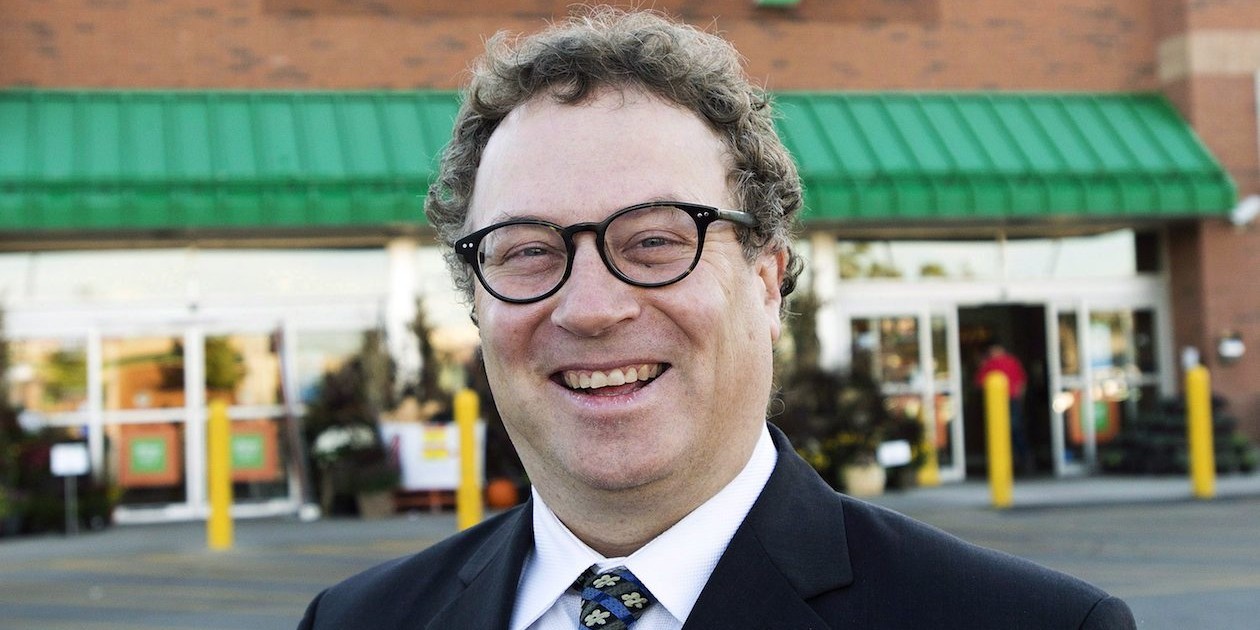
619,477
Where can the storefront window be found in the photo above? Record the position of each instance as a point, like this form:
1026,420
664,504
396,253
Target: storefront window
143,373
1069,354
320,353
1110,350
243,369
943,387
1110,255
1067,404
1123,358
94,276
48,375
887,348
259,460
306,272
940,353
126,276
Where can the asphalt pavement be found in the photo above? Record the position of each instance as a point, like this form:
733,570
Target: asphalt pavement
1179,562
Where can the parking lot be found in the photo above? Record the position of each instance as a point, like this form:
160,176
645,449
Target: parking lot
1179,563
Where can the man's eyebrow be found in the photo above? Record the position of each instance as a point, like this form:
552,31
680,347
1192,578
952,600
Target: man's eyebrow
670,198
513,216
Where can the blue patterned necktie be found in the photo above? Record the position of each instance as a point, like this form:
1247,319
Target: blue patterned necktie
612,599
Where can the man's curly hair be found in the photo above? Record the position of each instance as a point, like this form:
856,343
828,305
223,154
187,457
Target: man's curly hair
572,60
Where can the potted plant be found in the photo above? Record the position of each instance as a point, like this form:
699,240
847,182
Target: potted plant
8,525
355,472
353,463
837,422
905,425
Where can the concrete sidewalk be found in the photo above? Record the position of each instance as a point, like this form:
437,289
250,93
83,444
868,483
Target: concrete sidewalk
1078,492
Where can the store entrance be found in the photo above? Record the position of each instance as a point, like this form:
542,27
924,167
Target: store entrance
1021,329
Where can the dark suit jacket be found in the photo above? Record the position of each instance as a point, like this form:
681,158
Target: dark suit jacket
805,557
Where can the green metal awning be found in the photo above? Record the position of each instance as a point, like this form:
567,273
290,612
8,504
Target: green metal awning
177,165
195,162
998,158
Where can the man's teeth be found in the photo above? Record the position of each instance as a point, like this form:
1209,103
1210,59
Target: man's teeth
598,379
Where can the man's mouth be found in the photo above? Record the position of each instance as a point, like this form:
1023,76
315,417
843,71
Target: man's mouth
613,381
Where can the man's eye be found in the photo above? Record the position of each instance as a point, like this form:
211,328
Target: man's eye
529,253
526,252
656,240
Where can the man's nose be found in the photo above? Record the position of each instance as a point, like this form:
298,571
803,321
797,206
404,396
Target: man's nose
593,300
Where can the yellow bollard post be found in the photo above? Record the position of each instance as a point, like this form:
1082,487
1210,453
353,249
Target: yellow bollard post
219,471
468,506
997,406
929,474
1199,433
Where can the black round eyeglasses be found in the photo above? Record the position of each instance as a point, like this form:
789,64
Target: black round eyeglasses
650,244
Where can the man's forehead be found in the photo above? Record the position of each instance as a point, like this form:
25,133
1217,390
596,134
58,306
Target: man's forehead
540,161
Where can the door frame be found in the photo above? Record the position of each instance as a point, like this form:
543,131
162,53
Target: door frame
191,323
869,298
929,387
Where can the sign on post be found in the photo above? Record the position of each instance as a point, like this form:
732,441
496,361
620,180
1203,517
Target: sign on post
69,460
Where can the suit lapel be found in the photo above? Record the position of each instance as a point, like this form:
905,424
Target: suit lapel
747,590
791,548
490,577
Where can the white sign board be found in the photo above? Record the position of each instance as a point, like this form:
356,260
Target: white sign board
894,453
69,459
428,454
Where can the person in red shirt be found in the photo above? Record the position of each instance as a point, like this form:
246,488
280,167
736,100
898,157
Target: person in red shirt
997,359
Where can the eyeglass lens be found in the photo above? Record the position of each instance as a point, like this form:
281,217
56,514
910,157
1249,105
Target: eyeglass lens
649,246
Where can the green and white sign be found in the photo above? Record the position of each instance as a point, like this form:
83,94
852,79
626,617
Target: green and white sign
248,451
148,455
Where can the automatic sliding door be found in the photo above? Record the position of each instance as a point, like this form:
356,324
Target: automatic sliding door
144,413
242,369
1068,410
1106,373
893,350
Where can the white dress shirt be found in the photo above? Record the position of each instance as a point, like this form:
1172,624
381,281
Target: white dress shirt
674,566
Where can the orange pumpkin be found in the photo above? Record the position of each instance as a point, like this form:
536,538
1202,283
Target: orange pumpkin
501,493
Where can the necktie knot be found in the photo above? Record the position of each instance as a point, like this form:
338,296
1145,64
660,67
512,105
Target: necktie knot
612,599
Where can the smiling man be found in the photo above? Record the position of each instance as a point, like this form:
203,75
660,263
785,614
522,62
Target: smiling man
619,210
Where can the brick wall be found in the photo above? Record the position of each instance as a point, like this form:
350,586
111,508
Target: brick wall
854,44
1231,303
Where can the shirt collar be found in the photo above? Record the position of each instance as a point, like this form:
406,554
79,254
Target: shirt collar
674,566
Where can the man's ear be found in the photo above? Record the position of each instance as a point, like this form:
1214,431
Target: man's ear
771,267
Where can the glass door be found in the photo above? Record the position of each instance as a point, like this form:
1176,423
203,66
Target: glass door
145,398
914,359
267,374
156,386
1107,371
1069,412
243,369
